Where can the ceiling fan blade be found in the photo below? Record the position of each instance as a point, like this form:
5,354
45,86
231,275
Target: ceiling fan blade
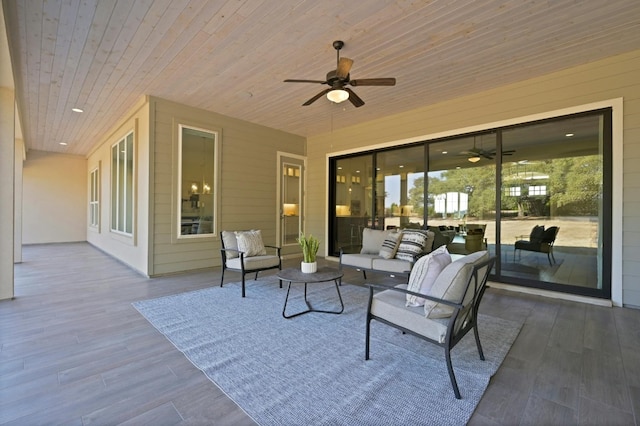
316,97
344,66
355,99
373,82
304,81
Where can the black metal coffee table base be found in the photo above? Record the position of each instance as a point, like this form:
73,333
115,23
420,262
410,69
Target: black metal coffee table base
322,275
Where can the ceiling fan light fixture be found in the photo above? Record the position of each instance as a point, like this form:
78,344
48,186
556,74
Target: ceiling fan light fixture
338,95
473,159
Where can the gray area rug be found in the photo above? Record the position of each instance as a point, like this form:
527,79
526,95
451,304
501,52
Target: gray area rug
311,369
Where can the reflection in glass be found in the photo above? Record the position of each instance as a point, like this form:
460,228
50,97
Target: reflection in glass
461,200
353,201
552,174
552,202
197,174
291,197
400,187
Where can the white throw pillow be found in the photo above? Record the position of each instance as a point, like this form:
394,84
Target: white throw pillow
411,245
390,245
425,272
250,243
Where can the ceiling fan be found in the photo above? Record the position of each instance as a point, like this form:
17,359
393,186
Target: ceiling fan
339,78
475,154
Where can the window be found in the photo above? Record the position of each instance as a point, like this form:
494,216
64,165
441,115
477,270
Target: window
537,190
197,182
513,191
122,185
94,199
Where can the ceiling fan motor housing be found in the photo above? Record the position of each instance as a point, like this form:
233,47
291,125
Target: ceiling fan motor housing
332,78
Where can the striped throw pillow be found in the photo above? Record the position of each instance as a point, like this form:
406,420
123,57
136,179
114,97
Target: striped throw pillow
411,245
390,245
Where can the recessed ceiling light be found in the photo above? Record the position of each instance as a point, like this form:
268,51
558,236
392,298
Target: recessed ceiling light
77,110
63,143
569,135
445,152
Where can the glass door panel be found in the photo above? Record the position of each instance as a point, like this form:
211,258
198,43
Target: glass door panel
400,188
353,195
551,203
461,191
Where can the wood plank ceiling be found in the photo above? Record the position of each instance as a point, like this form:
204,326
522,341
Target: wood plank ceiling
231,56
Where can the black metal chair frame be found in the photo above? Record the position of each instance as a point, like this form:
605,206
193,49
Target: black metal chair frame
243,270
467,315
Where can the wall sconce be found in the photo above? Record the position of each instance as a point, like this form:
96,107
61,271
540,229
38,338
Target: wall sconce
206,189
194,188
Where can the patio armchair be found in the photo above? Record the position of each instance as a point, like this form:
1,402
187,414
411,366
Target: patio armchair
244,252
450,309
540,240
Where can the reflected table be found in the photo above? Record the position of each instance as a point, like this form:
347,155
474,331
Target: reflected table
323,274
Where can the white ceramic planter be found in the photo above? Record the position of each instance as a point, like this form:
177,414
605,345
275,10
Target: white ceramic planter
309,268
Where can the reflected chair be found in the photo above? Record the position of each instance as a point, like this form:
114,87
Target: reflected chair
247,262
450,311
540,240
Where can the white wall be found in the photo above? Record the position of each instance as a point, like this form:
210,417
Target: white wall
54,198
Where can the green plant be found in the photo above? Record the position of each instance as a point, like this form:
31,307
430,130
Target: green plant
309,246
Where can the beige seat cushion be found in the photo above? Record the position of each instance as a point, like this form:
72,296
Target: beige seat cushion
390,305
254,262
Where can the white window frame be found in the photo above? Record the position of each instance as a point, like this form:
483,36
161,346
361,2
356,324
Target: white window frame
94,198
214,187
122,185
514,191
537,189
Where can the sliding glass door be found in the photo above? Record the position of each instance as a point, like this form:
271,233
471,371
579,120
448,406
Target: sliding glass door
553,214
536,195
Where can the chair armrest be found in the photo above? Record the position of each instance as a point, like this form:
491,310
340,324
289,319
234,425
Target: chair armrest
276,248
413,293
521,237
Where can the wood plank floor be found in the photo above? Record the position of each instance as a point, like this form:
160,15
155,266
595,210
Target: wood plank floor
74,351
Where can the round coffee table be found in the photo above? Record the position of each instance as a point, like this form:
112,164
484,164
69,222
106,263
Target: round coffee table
324,274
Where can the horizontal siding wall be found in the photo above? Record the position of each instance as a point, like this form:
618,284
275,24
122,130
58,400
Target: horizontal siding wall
615,77
131,250
248,183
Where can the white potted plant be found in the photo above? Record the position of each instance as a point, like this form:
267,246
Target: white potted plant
309,250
